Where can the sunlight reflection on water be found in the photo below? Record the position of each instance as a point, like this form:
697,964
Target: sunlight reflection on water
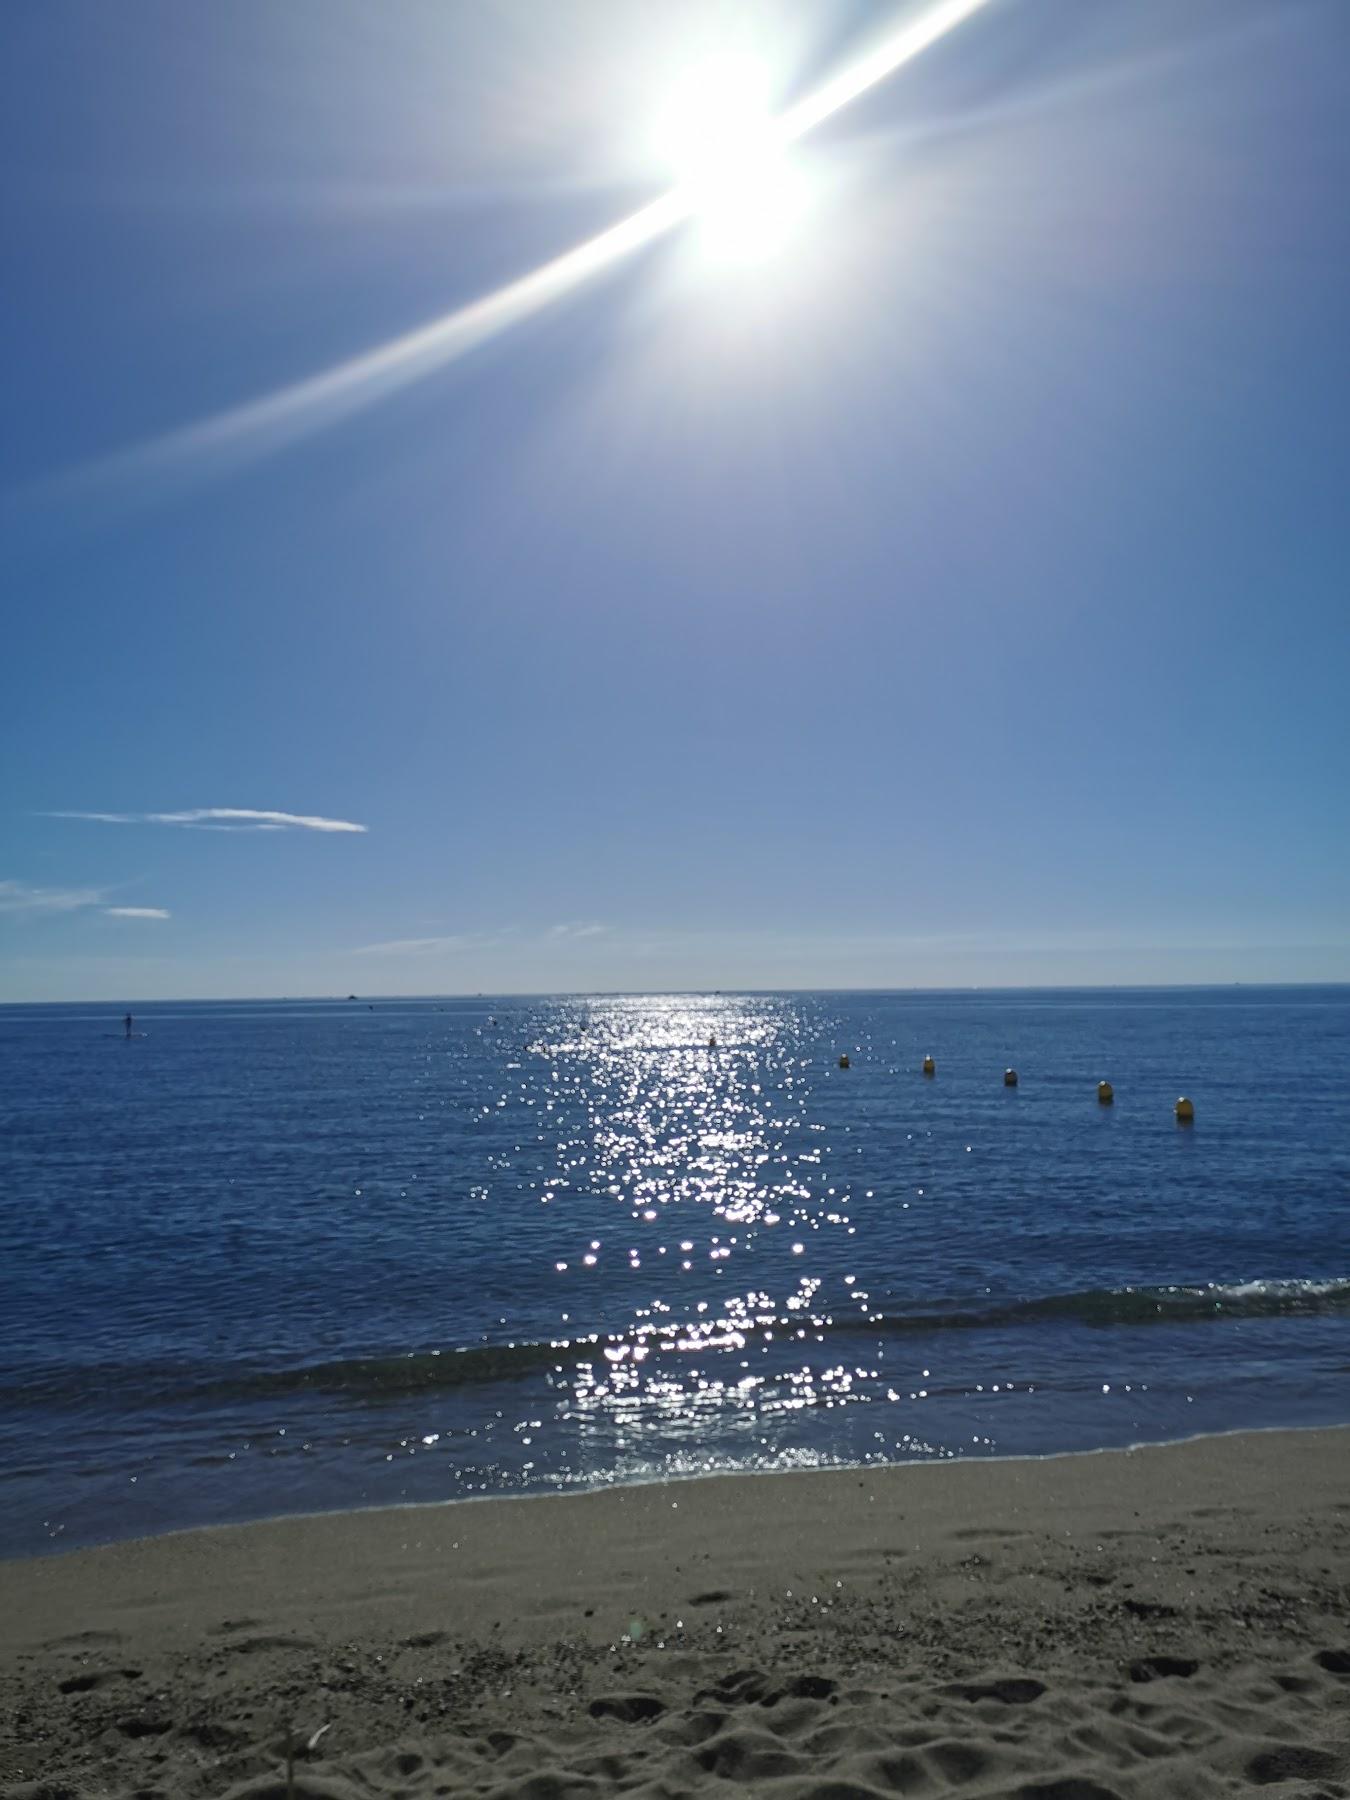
330,1256
700,1135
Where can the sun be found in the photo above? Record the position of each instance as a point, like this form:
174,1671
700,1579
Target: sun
731,160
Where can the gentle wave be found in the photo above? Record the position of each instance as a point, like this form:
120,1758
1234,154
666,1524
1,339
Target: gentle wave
1179,1302
1094,1306
412,1373
373,1377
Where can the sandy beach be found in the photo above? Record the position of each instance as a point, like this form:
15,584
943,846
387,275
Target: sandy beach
1166,1621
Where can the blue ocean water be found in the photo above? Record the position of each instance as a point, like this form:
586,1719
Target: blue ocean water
285,1256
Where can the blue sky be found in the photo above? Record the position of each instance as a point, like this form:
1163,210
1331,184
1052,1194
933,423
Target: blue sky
955,596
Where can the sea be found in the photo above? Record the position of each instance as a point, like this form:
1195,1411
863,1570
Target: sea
290,1256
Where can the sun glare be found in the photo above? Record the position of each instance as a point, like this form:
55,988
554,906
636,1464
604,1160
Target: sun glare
731,159
735,179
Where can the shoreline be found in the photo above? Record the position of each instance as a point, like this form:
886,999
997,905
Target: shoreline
658,1481
715,1629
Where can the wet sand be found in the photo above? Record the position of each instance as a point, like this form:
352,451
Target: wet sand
1171,1621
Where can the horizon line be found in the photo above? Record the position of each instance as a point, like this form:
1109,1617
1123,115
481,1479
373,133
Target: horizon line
985,987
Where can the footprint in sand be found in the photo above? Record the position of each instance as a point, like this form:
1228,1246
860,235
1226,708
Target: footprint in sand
1292,1762
143,1725
1149,1609
1012,1690
629,1709
743,1687
1156,1668
87,1684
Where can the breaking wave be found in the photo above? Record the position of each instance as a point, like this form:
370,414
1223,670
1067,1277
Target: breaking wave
385,1376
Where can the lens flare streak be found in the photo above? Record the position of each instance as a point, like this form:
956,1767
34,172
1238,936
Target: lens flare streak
258,427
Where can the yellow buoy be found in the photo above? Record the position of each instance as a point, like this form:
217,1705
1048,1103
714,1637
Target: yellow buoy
929,1066
1105,1093
843,1062
1010,1078
1185,1111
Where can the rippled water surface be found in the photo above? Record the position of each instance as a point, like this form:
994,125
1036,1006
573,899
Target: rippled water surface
284,1256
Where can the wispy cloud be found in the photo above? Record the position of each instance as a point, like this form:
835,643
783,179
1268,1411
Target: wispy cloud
18,897
426,946
479,940
219,818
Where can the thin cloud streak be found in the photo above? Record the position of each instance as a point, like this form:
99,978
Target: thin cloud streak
219,818
482,940
237,435
18,897
425,946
